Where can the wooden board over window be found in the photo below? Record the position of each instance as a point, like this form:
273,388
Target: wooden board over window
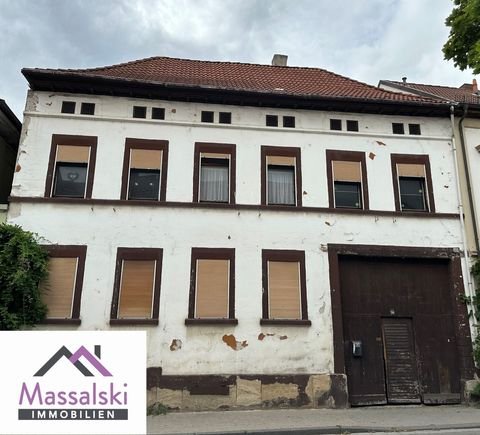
410,170
145,159
284,290
281,160
73,154
57,290
212,288
347,171
136,289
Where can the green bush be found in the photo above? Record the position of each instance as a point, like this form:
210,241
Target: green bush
23,264
157,409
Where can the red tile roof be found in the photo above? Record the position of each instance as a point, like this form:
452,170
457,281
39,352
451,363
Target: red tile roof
234,76
463,94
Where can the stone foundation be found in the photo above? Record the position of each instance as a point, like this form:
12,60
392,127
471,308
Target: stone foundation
211,392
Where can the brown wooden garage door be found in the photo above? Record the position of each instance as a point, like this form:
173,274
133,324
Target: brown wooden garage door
400,311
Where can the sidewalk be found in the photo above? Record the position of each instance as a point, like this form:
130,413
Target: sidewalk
317,421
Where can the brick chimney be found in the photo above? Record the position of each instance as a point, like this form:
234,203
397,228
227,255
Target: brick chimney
474,86
279,60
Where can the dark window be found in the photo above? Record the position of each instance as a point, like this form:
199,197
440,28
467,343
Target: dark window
271,120
335,124
352,125
87,109
412,193
207,116
139,112
289,121
414,129
214,182
281,184
158,113
144,184
398,128
68,106
225,118
348,194
70,179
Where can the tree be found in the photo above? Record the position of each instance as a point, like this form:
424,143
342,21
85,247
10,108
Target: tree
23,264
463,44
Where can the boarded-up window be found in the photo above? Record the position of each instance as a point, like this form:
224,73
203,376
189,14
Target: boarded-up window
284,290
136,289
58,290
212,288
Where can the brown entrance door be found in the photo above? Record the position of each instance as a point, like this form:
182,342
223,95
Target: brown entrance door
400,361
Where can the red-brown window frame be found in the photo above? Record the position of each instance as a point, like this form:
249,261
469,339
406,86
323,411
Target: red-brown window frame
214,148
347,156
72,140
212,254
268,150
144,144
70,251
145,254
417,159
284,256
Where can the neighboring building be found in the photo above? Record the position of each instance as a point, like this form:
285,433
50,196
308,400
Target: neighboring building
10,128
280,232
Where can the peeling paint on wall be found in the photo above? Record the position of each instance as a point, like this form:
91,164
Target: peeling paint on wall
379,142
232,342
18,168
176,344
372,155
283,337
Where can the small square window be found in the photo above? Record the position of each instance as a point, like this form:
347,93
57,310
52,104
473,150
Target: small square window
398,128
139,112
158,113
414,129
87,109
271,120
68,106
225,118
207,116
352,125
289,121
335,124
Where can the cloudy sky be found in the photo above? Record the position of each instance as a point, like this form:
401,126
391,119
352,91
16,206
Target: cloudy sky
367,40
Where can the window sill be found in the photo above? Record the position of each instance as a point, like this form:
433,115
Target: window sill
211,321
61,322
152,322
291,322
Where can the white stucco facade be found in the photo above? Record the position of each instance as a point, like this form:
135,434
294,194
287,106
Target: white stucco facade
177,228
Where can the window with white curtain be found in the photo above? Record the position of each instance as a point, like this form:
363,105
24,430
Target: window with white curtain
214,179
281,184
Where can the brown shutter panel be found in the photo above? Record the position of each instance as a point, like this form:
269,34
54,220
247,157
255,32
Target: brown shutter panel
279,160
212,288
284,290
145,159
136,289
57,290
347,171
73,154
410,170
215,156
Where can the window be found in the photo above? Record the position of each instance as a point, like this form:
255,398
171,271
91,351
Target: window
225,118
145,170
158,113
207,116
212,286
87,109
281,176
289,121
284,287
62,290
352,125
271,120
139,112
214,173
136,292
68,106
335,124
414,129
71,166
347,179
412,183
398,128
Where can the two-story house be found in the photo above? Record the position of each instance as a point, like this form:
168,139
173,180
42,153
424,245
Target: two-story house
286,235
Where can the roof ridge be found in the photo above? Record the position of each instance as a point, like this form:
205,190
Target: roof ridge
424,84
